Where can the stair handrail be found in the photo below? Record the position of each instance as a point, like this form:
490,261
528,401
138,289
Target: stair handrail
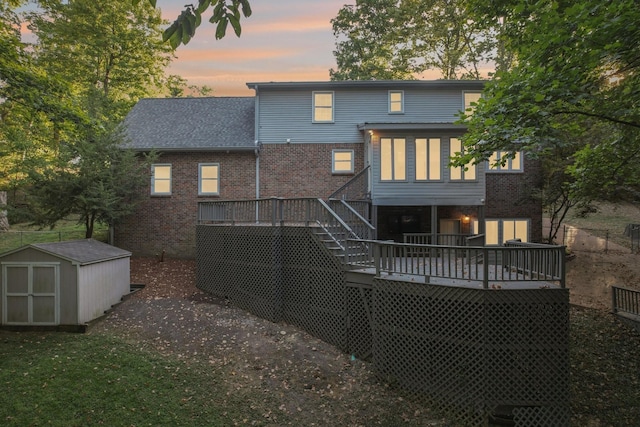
363,228
348,231
338,194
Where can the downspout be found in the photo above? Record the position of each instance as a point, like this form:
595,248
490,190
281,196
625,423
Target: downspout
257,153
258,147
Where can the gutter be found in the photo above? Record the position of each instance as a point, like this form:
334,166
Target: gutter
200,149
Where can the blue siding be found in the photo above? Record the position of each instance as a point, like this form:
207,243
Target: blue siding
285,113
425,193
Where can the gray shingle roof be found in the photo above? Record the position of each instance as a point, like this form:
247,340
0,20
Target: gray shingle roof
85,251
190,124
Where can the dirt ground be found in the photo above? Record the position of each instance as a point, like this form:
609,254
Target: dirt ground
594,265
315,383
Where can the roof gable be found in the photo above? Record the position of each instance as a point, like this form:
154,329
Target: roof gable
192,124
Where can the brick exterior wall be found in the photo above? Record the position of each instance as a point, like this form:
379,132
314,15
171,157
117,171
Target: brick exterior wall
168,223
303,170
512,195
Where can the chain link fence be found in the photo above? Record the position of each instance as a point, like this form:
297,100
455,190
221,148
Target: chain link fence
10,240
599,240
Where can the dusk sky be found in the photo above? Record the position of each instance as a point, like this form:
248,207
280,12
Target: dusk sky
283,40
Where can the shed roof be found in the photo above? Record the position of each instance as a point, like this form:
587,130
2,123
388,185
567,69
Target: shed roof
192,124
86,251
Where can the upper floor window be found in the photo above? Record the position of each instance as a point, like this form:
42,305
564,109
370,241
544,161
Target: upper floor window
502,162
161,179
460,173
396,101
393,163
209,179
428,161
469,98
323,107
342,161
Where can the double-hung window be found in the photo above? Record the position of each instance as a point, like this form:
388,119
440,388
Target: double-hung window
161,180
342,162
428,161
323,107
502,161
460,173
209,179
396,102
393,163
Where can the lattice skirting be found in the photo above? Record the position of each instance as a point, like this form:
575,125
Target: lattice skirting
278,273
474,353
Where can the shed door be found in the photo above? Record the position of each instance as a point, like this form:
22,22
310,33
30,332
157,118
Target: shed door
30,294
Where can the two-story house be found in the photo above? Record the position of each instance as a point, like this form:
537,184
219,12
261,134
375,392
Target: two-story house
386,142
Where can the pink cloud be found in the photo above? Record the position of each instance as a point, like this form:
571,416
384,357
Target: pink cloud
231,55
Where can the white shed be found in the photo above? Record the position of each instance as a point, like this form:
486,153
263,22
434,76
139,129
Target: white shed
62,283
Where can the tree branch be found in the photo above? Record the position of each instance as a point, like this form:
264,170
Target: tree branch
598,116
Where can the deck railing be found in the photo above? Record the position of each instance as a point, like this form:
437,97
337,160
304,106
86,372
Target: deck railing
360,226
438,239
280,212
490,266
625,300
272,211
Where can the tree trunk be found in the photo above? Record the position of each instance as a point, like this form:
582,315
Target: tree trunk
4,220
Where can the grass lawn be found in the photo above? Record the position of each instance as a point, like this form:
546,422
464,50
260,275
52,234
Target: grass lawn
609,221
25,234
63,379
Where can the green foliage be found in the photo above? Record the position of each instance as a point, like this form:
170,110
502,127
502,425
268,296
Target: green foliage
95,178
399,39
177,86
64,95
111,47
225,12
575,85
36,111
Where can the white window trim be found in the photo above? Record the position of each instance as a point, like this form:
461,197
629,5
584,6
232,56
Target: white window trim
394,171
429,170
333,106
401,92
333,162
501,221
508,168
153,179
200,192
